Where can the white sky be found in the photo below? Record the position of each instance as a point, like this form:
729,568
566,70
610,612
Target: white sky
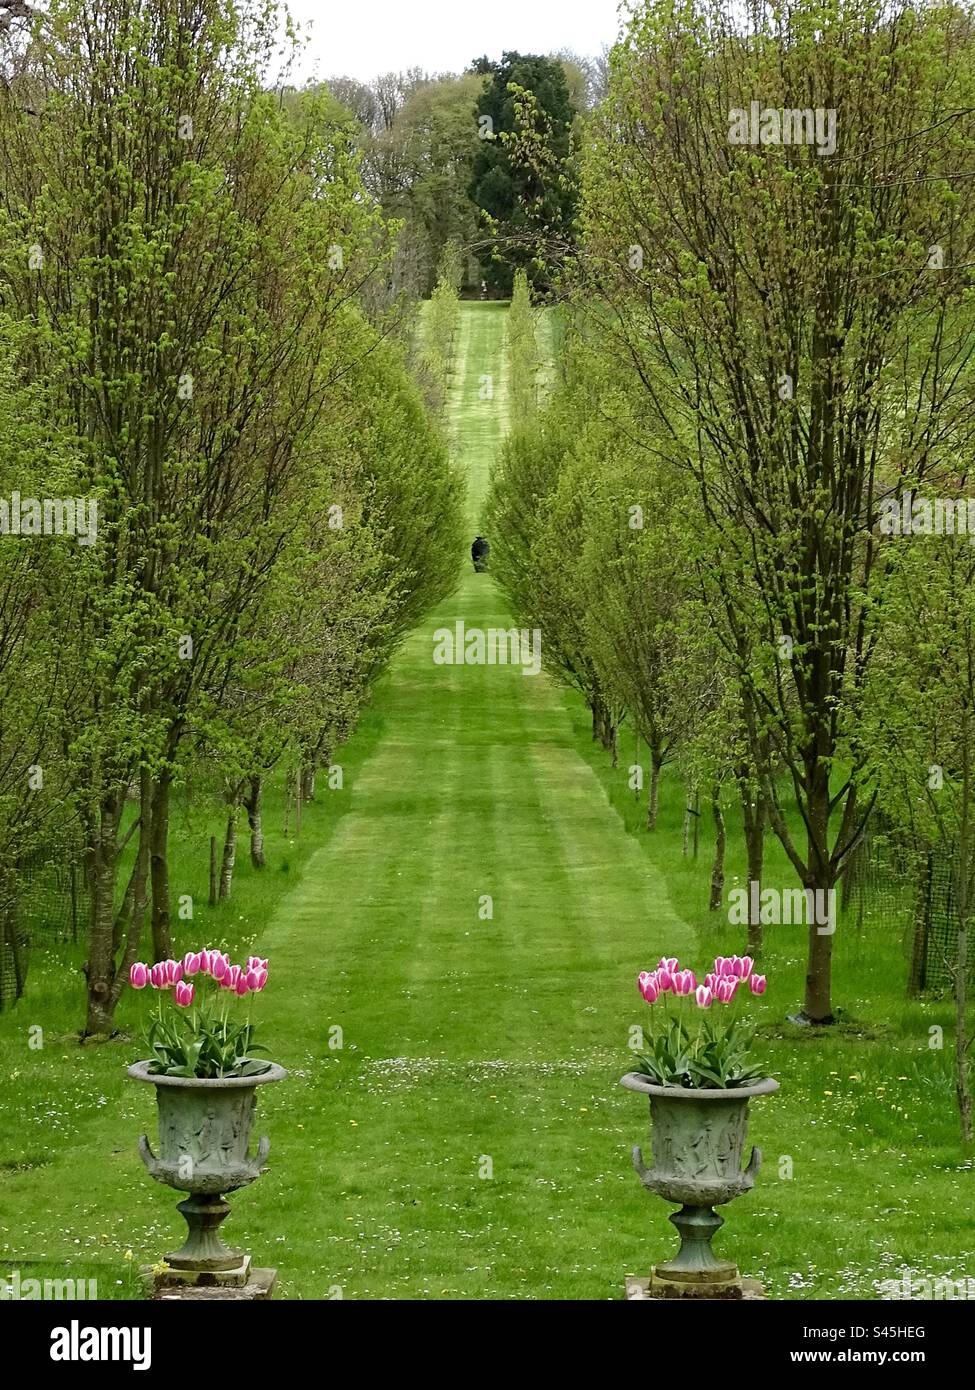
363,38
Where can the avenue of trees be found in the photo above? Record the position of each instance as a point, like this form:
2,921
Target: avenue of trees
197,335
767,346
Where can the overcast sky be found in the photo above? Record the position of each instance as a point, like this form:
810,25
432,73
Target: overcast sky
375,36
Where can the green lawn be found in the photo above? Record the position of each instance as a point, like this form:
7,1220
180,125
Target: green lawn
469,1138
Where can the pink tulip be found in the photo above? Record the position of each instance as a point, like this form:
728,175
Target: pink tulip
742,966
230,979
711,979
668,963
192,962
703,996
684,982
251,979
174,971
241,986
219,965
255,963
724,965
725,989
261,980
665,981
157,975
138,975
650,991
757,984
184,994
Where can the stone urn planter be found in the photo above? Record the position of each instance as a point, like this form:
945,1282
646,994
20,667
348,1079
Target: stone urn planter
204,1136
698,1147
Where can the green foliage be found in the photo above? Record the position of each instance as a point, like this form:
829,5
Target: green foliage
523,356
522,176
199,1043
712,1056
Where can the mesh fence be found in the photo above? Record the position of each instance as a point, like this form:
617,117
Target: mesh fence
910,893
44,903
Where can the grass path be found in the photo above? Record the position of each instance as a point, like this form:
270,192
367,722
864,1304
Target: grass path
468,1046
468,1139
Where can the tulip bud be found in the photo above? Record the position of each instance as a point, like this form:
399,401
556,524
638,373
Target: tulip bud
757,984
703,996
138,975
184,994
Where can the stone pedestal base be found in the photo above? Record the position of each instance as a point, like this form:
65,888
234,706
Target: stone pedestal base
259,1284
234,1278
657,1288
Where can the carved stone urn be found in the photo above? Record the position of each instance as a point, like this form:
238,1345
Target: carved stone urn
204,1135
698,1145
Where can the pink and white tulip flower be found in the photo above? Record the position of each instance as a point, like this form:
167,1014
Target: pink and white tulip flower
184,994
704,997
742,966
758,984
725,989
192,962
138,975
668,963
684,982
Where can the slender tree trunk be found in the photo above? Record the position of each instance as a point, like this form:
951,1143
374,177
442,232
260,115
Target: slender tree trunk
653,796
720,840
229,858
214,871
100,967
162,936
255,819
308,782
818,1003
754,820
107,973
963,1090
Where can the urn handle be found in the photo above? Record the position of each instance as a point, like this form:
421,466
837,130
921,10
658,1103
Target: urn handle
639,1165
755,1162
260,1158
147,1156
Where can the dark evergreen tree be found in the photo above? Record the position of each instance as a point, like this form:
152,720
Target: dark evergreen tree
522,177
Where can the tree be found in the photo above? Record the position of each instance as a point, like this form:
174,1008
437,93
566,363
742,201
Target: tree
922,733
522,176
784,306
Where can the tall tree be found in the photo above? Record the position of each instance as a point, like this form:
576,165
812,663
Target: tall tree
523,178
799,308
